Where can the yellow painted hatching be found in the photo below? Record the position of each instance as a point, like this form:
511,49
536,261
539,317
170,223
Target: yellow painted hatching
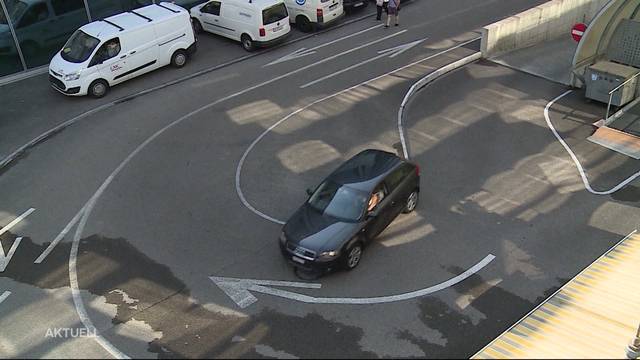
595,315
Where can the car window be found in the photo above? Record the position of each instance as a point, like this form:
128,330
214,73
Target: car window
65,6
108,50
212,8
274,14
339,201
394,179
378,194
35,14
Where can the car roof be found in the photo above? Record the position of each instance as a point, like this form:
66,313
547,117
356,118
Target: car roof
366,169
129,20
257,3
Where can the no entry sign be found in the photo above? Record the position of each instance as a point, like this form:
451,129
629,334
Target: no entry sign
578,30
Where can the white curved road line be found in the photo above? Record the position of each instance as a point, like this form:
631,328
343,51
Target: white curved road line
239,290
264,133
88,207
4,296
583,175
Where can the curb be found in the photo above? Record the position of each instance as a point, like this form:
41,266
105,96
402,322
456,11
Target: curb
48,134
424,82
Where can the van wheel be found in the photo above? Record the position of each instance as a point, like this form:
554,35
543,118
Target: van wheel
179,58
98,88
246,41
197,26
303,24
352,256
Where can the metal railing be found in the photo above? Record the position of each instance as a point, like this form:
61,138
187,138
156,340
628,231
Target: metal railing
616,89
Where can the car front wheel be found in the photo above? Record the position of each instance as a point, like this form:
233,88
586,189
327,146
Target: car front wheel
412,202
353,256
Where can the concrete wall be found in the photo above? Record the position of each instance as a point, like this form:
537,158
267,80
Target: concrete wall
548,21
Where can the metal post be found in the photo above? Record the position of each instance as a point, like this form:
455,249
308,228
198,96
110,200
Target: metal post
606,119
13,34
633,350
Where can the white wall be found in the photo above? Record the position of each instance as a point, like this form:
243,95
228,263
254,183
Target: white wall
541,23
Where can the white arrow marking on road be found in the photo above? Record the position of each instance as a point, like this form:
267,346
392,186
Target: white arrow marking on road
304,51
392,52
4,296
239,290
58,238
5,258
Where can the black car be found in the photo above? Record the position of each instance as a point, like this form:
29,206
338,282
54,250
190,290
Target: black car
348,209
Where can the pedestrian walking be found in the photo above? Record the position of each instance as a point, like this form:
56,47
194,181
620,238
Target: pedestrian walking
392,10
379,5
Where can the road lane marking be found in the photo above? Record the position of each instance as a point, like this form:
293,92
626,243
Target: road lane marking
426,80
4,296
304,51
248,205
16,221
395,51
239,290
58,238
583,175
45,135
88,207
6,258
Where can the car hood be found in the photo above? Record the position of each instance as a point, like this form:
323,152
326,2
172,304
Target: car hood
315,231
62,66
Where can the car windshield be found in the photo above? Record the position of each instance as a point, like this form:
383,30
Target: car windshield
79,47
274,13
15,8
339,201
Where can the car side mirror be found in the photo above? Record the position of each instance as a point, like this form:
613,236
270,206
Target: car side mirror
309,191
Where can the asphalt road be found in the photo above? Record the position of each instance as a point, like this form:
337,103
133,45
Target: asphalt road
146,192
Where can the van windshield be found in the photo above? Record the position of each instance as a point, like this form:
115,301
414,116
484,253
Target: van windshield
79,47
274,14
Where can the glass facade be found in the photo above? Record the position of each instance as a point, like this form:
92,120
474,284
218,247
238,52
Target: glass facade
32,31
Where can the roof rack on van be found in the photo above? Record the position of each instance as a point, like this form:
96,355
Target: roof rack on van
112,24
142,16
170,9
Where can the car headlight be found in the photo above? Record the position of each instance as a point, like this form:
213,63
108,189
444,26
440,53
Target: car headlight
327,255
283,238
71,77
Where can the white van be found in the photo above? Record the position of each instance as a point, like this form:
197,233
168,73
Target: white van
252,22
107,52
310,14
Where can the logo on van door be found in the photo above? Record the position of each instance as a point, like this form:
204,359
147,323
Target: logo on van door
115,67
301,2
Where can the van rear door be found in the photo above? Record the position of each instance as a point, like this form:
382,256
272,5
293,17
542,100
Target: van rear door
275,20
331,9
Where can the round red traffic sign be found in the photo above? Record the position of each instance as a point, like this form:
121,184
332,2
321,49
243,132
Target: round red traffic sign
578,30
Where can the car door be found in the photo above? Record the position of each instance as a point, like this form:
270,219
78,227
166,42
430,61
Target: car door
109,60
139,53
377,215
211,18
399,184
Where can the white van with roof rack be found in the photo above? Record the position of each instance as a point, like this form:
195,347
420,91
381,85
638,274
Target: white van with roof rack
255,23
109,51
